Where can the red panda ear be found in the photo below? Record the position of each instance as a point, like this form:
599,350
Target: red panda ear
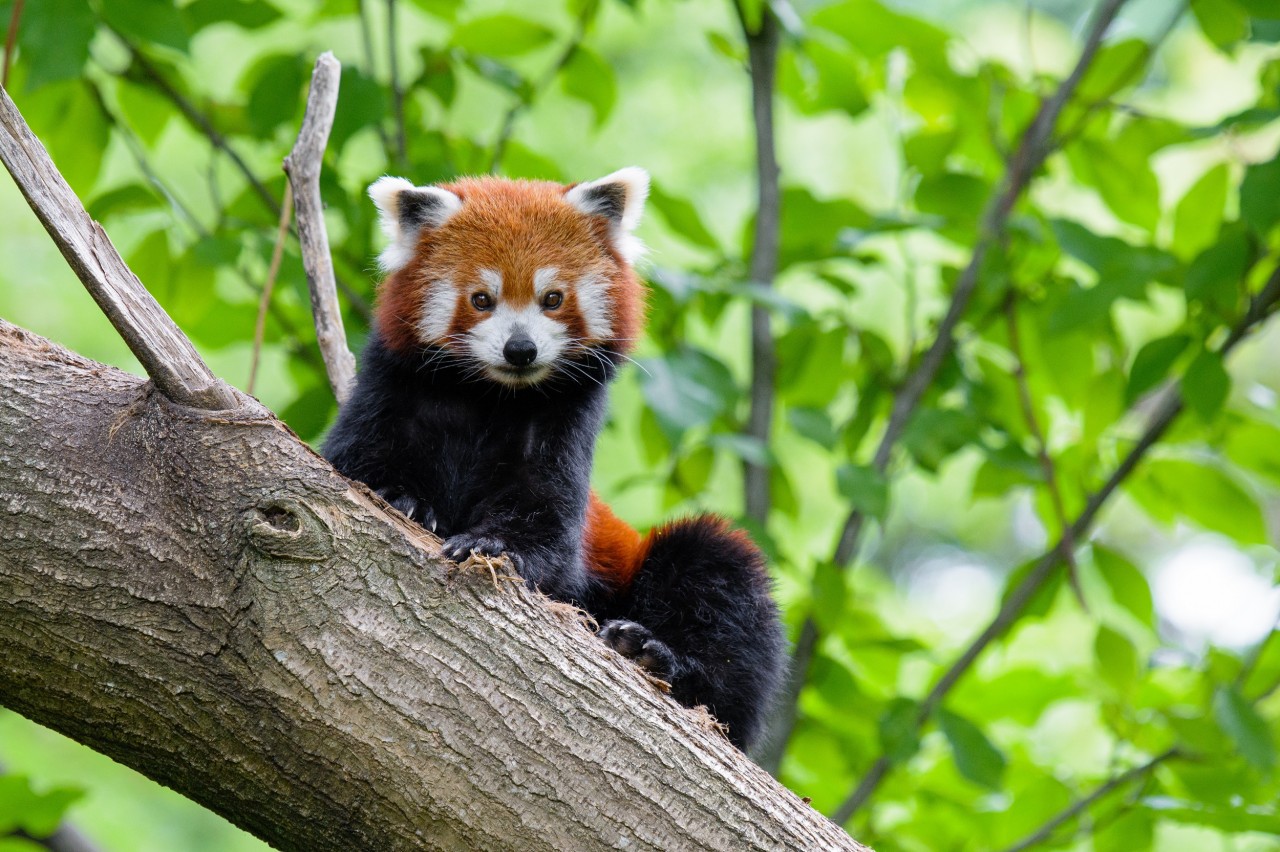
618,197
404,210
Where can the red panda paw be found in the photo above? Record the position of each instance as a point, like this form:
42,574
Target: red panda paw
411,507
637,642
459,547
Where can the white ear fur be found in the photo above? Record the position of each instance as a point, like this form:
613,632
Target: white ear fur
404,210
619,197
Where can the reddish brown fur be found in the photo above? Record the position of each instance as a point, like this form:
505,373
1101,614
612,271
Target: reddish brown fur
516,228
614,550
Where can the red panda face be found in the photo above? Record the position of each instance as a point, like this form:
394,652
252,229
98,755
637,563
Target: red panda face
515,277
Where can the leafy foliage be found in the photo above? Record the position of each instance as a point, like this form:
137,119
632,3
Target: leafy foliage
1120,274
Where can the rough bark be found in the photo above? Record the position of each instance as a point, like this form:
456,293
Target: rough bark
201,597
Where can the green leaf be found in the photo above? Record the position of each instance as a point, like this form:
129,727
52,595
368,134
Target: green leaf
1198,216
975,756
693,470
1223,22
1241,722
1152,364
682,218
1216,277
1127,584
816,228
589,78
157,21
277,92
1173,488
933,434
686,389
818,77
956,196
38,814
1117,659
362,102
830,595
54,37
501,35
129,198
899,738
246,14
1260,195
1255,446
865,488
1230,820
1133,831
814,424
1114,67
1125,180
1205,385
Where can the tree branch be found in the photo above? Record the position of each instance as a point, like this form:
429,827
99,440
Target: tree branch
268,287
1034,148
158,344
397,92
303,168
11,41
1166,411
1076,808
1047,467
762,54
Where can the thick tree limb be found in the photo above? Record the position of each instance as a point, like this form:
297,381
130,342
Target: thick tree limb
204,599
1035,147
161,347
303,168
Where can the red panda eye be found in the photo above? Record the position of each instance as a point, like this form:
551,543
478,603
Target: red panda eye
482,301
552,300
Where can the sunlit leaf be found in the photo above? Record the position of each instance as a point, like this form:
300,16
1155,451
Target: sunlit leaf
1245,727
589,78
1172,488
975,756
1198,216
864,487
1205,385
501,35
1127,584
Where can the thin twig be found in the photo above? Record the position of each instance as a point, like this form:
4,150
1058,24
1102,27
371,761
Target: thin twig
508,125
1078,807
1166,411
1047,466
269,286
11,40
157,342
397,92
1034,148
303,168
762,55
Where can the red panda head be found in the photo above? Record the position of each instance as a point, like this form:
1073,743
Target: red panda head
513,276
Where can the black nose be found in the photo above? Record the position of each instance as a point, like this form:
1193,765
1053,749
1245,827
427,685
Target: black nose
520,351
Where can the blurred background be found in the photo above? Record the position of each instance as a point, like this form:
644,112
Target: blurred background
1124,695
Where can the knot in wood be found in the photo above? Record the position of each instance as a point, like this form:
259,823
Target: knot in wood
288,528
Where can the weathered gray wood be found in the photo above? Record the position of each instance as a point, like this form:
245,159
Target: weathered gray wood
303,168
201,597
161,347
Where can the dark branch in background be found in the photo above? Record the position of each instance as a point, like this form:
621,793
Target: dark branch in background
303,168
1047,467
277,254
1035,147
1166,411
11,40
397,93
155,340
366,39
762,55
198,120
1076,808
523,102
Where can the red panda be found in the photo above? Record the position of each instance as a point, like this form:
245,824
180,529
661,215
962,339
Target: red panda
507,308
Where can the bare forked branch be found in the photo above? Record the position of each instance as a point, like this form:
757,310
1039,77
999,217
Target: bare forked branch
303,168
161,347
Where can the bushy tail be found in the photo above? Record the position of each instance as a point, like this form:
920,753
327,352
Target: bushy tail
702,588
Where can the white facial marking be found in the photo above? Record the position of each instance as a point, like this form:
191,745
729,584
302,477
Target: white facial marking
492,279
544,280
438,308
489,337
593,304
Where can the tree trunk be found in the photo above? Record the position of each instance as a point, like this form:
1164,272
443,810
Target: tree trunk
201,597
